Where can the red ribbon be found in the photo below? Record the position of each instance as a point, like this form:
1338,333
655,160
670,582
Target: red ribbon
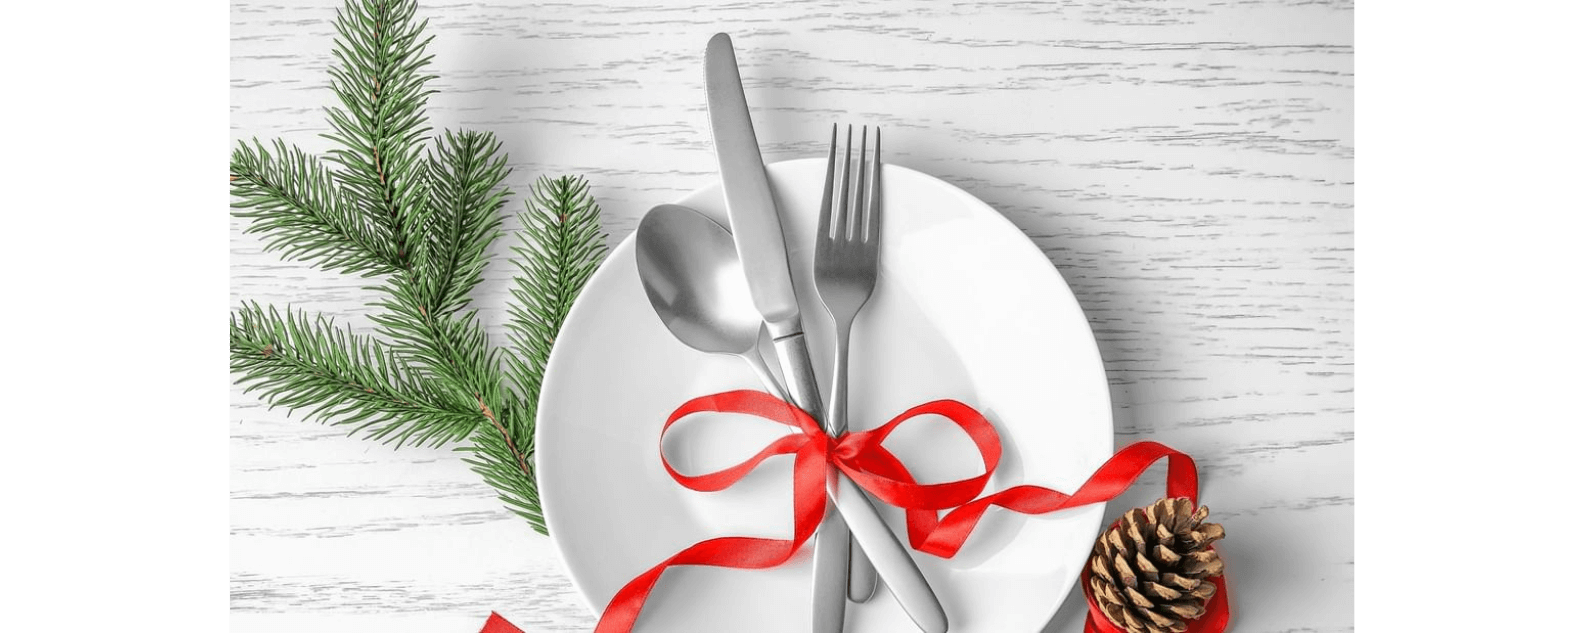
498,624
862,457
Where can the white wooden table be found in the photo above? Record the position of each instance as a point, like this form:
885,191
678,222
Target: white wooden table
1187,166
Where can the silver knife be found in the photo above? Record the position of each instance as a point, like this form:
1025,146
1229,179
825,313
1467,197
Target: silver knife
756,229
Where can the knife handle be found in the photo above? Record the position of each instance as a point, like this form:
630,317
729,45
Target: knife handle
891,559
831,551
792,351
832,544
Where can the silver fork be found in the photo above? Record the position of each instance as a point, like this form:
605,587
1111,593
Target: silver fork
846,262
844,276
847,252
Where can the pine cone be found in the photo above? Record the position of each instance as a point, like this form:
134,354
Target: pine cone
1150,573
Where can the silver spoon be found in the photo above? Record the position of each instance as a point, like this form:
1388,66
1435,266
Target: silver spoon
689,268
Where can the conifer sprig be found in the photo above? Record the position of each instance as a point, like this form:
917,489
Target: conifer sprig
465,199
292,199
382,124
309,363
424,221
558,249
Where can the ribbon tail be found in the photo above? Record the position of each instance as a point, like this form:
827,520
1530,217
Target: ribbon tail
498,624
622,612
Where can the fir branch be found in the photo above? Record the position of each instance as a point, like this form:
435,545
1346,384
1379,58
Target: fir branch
341,378
423,317
465,199
427,222
452,349
291,197
558,249
379,51
502,454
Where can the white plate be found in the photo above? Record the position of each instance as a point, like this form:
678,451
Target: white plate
966,307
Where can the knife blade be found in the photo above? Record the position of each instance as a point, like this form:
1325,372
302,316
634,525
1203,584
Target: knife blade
761,245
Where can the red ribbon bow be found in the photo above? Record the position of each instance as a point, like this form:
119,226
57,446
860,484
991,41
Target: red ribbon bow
863,458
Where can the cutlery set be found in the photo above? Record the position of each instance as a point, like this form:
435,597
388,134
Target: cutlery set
721,291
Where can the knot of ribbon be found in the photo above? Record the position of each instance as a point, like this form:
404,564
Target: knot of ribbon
863,458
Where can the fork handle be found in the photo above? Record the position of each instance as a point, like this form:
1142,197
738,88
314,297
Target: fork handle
861,580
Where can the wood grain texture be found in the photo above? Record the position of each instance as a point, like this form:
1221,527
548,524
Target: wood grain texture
1187,166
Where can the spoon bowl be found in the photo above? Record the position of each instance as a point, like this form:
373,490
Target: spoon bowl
689,268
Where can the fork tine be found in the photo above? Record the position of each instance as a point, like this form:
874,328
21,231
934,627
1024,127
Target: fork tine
844,212
825,233
872,208
857,219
